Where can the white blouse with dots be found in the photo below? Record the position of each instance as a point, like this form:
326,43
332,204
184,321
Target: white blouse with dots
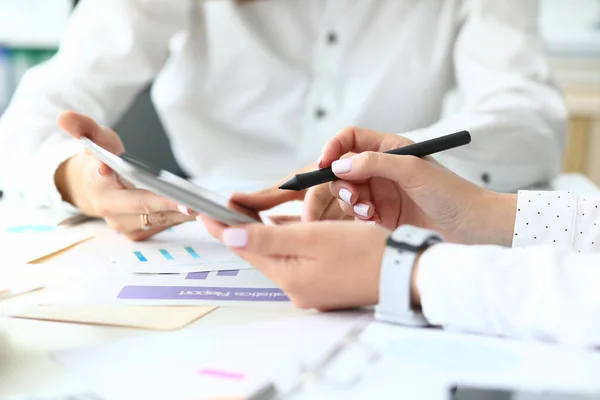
546,287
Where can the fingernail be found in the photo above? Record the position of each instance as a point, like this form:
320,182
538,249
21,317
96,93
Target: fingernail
184,210
362,209
319,161
342,166
98,172
345,195
324,147
370,222
235,237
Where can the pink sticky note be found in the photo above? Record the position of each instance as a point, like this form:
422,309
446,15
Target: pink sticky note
219,373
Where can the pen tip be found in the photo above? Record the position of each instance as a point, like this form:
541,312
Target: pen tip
290,185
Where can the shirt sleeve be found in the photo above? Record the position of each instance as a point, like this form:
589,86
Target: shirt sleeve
561,219
111,50
540,292
511,107
544,288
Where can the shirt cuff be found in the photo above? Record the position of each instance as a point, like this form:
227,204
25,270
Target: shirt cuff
451,297
42,192
545,218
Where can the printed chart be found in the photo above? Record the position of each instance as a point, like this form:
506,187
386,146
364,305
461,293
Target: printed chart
214,287
181,249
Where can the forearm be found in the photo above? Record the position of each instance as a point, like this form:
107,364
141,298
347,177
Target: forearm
539,292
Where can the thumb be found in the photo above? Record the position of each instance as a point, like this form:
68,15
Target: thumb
78,125
270,240
266,199
407,171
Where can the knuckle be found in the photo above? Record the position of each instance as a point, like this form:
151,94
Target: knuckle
144,206
160,219
369,159
115,225
100,209
137,236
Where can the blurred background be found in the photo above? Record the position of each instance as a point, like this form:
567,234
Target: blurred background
30,31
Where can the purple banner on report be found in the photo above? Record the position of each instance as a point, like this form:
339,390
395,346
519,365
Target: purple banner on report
201,293
197,275
228,272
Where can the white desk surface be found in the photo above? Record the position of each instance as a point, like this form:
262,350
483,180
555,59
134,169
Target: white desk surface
26,346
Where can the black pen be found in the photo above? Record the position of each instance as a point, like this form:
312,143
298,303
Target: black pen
421,149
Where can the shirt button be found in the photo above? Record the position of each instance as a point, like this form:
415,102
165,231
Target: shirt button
332,38
320,113
485,177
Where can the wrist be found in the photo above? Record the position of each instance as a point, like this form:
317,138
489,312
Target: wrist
63,176
495,219
415,296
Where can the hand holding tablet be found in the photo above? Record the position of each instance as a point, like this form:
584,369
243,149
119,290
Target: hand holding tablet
172,187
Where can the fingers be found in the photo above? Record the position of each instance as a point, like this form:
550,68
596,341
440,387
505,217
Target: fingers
266,199
78,125
214,227
133,222
133,201
272,240
353,139
407,171
316,202
284,219
353,200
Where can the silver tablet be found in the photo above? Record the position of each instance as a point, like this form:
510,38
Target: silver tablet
173,187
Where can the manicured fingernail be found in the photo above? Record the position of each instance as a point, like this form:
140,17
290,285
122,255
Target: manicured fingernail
235,237
362,209
184,210
98,172
345,195
370,222
342,166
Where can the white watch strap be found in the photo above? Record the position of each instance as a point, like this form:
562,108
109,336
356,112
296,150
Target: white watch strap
396,275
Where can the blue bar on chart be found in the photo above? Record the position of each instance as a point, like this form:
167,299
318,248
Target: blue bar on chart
197,275
192,252
230,272
166,254
140,256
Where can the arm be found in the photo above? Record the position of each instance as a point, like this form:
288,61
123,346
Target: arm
112,49
546,292
516,115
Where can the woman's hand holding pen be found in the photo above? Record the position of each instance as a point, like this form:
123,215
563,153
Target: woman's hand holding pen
393,190
93,188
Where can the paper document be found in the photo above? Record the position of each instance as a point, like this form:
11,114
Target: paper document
210,362
24,244
183,248
215,288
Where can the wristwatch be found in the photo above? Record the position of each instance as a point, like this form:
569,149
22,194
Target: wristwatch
403,247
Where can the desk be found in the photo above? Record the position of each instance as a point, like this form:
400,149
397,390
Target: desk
26,346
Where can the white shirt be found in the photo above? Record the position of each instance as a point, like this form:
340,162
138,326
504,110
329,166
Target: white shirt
545,287
255,91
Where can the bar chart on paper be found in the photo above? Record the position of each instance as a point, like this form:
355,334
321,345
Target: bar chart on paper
225,287
181,249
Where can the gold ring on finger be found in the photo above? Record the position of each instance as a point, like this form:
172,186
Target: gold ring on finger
144,222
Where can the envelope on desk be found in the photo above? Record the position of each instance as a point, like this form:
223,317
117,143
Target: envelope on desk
26,306
162,318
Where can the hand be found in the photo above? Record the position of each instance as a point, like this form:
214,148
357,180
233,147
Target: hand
319,204
93,187
324,265
395,190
